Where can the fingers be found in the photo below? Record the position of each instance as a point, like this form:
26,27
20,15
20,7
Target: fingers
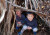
29,28
18,22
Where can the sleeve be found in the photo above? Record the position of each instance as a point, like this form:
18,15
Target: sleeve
17,19
35,24
23,19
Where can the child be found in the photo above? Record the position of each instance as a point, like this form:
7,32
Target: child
31,23
19,18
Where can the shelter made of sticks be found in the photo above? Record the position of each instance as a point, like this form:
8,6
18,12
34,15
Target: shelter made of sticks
7,14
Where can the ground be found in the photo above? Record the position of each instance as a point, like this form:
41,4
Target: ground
30,32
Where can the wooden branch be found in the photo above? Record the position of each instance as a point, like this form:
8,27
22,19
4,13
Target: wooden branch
30,4
12,29
3,10
26,4
23,8
2,17
9,18
6,4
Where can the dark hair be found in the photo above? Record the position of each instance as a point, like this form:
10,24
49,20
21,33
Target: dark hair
15,9
29,13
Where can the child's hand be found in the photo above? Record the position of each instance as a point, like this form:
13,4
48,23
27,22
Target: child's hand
18,22
29,27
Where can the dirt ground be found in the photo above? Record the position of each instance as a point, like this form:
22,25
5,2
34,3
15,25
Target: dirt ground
30,32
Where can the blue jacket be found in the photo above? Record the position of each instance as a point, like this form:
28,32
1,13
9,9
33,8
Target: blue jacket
32,23
20,19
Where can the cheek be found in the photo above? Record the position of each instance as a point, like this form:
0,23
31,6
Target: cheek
33,16
16,12
19,13
29,17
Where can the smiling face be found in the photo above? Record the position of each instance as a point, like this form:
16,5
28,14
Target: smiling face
18,12
30,17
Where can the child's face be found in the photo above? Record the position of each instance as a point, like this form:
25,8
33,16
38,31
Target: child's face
18,12
30,17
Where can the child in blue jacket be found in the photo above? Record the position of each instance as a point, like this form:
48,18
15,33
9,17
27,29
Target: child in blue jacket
30,23
19,18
